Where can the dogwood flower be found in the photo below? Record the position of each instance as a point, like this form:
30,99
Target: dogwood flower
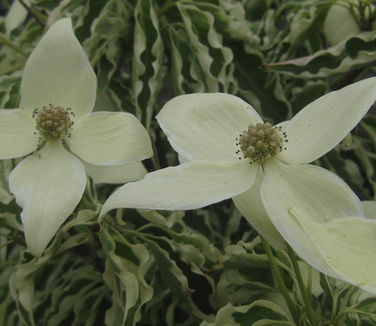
54,127
227,151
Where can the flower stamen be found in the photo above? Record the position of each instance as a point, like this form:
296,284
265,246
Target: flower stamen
53,122
260,142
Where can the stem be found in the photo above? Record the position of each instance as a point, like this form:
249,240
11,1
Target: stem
89,204
4,244
6,41
32,13
306,297
280,282
166,7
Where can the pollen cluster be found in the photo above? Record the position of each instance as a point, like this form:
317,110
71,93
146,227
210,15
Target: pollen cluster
261,142
53,122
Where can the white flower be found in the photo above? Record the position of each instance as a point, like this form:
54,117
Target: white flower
264,169
58,92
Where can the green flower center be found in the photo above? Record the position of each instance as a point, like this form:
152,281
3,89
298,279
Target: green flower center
53,122
260,142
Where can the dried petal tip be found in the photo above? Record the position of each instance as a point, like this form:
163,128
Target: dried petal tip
261,142
53,122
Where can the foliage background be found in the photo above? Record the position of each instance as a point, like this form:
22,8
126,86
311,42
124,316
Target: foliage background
205,267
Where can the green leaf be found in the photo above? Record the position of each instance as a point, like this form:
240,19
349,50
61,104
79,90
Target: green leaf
355,52
104,46
125,271
260,312
147,68
9,91
264,93
5,168
213,58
